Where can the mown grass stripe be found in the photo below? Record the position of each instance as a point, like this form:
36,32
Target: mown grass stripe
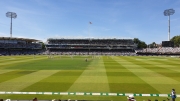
160,68
118,76
96,79
5,71
153,81
13,74
89,83
123,80
163,65
17,58
23,60
22,82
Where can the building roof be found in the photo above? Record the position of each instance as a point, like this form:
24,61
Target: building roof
15,38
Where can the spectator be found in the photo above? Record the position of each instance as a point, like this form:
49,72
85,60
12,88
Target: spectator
173,95
131,98
35,99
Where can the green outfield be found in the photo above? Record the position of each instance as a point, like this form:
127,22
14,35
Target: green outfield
100,74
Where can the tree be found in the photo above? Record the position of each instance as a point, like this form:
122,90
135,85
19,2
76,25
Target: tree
136,40
140,44
176,40
152,45
43,45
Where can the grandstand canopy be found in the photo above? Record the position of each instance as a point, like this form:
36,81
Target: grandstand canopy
23,39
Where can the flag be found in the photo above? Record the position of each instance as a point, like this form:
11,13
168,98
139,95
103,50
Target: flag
90,22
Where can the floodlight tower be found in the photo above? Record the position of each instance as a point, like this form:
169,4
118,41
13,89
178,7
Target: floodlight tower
169,12
11,15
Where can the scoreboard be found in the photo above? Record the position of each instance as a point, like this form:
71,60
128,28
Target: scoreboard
167,44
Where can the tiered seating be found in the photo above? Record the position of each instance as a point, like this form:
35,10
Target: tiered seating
91,46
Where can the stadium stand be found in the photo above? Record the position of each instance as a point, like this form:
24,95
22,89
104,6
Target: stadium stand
159,51
90,46
19,46
86,46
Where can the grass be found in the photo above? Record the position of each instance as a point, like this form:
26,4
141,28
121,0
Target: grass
107,74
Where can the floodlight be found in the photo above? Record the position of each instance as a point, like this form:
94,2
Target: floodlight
169,12
11,15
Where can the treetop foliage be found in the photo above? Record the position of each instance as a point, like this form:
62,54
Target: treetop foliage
176,40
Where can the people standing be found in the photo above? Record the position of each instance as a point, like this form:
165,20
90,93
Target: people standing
131,98
173,95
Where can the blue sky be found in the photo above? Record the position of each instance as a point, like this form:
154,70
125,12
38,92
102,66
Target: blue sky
42,19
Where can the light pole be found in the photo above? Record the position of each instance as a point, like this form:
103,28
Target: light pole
11,15
169,12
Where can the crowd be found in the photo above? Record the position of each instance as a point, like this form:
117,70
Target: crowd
91,41
20,48
21,45
160,50
20,51
90,52
90,46
63,52
93,53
